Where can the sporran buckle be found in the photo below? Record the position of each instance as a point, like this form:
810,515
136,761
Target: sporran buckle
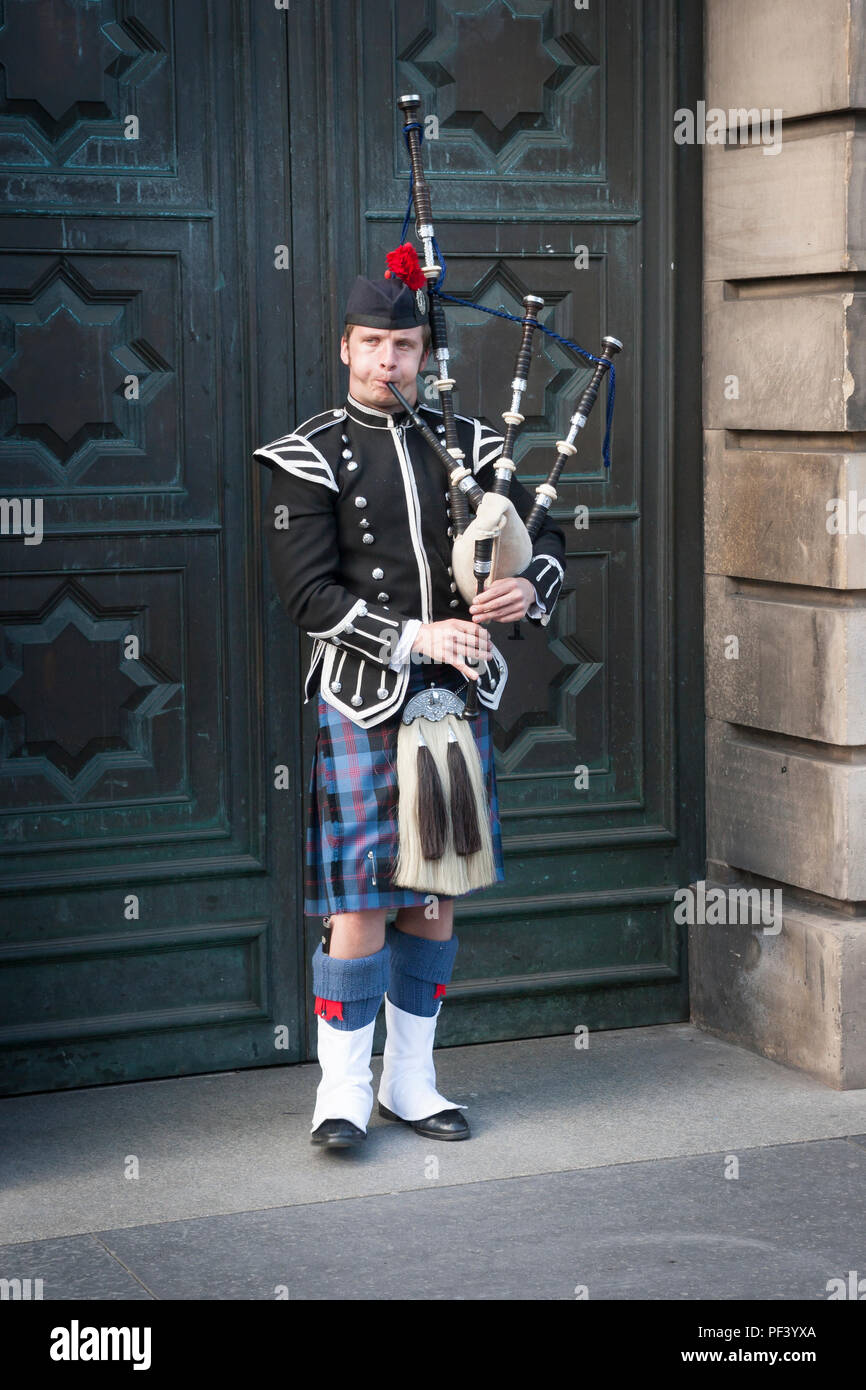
434,703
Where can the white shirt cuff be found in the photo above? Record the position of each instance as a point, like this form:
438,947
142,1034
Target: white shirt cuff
536,609
403,648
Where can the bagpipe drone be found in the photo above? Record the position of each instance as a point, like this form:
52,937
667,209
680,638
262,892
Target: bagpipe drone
445,840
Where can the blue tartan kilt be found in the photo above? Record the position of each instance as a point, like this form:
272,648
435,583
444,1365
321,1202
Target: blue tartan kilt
352,836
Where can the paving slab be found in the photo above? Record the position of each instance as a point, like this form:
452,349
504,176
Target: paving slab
778,1226
113,1157
74,1267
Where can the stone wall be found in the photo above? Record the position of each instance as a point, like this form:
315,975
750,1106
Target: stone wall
785,434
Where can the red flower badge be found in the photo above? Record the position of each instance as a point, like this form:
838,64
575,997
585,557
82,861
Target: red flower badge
404,265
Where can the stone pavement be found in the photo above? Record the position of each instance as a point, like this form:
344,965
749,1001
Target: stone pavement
604,1169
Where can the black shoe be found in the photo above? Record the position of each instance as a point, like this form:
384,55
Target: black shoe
337,1134
446,1124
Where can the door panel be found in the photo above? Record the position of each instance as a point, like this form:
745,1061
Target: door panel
148,866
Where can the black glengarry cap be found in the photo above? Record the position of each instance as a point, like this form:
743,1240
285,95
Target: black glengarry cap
385,304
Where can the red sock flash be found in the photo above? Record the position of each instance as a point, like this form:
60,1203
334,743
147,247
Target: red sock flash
328,1008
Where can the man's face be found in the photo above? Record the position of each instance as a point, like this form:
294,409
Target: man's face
376,356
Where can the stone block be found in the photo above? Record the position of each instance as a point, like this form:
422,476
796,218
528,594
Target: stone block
787,811
803,56
799,211
791,357
766,510
798,996
799,666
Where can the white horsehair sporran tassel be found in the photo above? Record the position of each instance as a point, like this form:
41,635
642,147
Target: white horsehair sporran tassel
446,845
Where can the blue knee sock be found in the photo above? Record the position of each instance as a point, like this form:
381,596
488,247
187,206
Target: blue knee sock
417,967
356,985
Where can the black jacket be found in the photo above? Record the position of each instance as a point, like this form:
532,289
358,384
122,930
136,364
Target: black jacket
359,534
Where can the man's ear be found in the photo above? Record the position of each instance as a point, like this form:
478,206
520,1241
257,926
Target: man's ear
344,350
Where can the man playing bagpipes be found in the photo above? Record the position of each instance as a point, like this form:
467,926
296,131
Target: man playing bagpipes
360,537
375,557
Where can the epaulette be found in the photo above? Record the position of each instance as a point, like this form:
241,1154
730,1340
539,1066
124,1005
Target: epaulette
297,455
322,421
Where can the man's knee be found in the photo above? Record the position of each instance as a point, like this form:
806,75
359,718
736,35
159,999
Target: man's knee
433,920
356,933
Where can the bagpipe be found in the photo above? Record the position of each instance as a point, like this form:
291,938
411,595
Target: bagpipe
445,841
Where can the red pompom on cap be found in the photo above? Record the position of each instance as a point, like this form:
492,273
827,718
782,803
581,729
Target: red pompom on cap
405,265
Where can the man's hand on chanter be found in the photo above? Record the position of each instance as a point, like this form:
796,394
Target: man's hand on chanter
503,601
454,642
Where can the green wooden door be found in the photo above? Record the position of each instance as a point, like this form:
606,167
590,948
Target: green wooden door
155,281
150,917
552,170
